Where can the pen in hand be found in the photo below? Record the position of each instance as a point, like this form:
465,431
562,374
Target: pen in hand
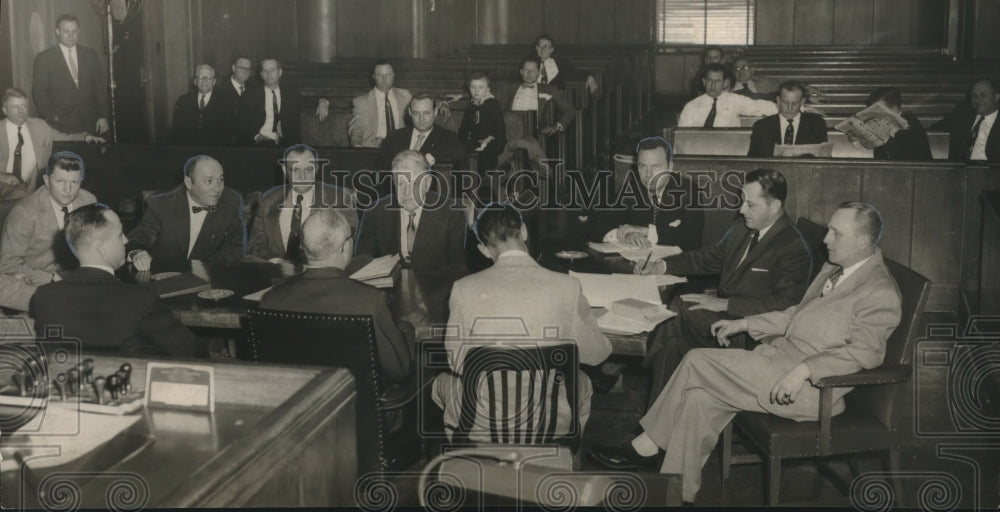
647,261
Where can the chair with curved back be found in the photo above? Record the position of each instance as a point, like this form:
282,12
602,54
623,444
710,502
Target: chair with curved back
872,418
346,341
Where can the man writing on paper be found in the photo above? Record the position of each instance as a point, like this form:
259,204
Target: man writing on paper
763,265
840,327
661,215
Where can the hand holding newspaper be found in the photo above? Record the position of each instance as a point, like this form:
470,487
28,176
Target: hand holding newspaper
873,126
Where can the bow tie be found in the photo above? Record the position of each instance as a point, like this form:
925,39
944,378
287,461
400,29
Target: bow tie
196,209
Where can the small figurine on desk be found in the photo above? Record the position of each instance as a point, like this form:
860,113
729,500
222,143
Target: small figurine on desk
99,386
60,384
125,372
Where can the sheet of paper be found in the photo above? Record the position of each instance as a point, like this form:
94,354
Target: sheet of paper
378,267
603,289
659,252
663,280
612,323
824,150
255,296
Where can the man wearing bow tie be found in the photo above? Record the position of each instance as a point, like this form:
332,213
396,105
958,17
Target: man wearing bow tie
532,96
69,84
200,220
763,265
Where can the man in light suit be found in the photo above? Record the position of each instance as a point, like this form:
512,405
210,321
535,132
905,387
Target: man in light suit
378,112
200,220
69,84
436,143
269,115
25,146
518,298
763,265
427,229
840,327
92,305
276,231
789,126
325,288
33,246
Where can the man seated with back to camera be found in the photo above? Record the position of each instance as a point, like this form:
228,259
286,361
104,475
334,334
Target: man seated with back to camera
92,305
763,265
661,213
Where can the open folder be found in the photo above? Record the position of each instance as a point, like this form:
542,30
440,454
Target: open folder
603,289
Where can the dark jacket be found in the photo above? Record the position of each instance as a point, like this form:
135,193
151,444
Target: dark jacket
959,124
266,240
908,144
252,114
440,238
67,108
165,229
213,126
768,131
444,145
676,224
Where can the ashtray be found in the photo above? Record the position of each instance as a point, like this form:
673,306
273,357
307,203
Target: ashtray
571,255
216,294
163,275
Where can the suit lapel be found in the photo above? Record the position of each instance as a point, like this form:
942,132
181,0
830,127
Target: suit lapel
273,223
182,212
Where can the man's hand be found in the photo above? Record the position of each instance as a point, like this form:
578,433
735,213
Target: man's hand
443,110
706,302
102,125
260,138
453,96
636,239
788,387
277,260
140,259
549,130
323,109
591,84
656,267
723,329
93,138
9,179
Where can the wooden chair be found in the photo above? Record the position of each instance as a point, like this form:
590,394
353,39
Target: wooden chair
550,369
871,420
346,341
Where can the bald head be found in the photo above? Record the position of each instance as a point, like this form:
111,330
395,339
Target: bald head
325,239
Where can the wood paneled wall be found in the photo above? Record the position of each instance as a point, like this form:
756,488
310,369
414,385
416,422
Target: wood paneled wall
851,22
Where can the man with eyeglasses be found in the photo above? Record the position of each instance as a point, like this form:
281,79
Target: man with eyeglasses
558,72
749,85
237,85
203,117
276,232
327,240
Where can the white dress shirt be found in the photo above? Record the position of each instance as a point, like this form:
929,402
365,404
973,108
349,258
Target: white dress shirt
526,99
413,138
978,147
397,114
197,220
829,285
27,150
269,113
728,110
208,99
285,217
404,222
70,55
57,209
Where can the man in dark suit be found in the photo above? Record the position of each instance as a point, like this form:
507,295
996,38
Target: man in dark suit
69,84
201,220
205,116
908,144
531,95
269,115
325,288
763,265
276,231
437,144
427,229
972,124
92,305
663,202
556,70
789,126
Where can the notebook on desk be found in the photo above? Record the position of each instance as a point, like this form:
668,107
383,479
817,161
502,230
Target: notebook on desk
181,284
379,272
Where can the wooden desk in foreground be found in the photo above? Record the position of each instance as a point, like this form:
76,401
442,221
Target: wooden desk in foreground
279,437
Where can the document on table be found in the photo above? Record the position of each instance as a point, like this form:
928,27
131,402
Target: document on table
603,289
613,323
256,296
658,253
662,280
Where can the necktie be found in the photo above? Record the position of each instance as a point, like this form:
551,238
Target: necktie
790,133
196,209
972,137
710,120
242,89
275,109
295,233
411,234
73,70
16,169
420,141
746,86
544,79
201,102
753,243
832,281
390,120
65,211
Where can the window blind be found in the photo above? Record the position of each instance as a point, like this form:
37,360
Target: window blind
723,22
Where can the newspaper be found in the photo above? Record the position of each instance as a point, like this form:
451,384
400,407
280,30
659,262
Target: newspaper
873,126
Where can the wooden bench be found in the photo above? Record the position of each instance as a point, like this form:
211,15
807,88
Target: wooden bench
736,142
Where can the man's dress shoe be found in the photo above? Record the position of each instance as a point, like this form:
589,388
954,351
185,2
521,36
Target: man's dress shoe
623,457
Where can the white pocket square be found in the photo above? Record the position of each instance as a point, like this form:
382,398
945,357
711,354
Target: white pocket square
545,96
755,269
675,223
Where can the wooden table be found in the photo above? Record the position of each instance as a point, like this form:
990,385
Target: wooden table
269,443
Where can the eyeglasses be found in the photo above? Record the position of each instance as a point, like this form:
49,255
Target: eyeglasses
741,68
543,46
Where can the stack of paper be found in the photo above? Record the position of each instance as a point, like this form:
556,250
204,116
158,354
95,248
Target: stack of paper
378,272
663,279
613,323
603,289
658,253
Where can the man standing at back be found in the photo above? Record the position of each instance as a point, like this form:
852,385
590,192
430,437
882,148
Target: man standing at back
33,246
69,84
516,297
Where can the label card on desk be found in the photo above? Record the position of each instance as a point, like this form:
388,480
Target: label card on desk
180,386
